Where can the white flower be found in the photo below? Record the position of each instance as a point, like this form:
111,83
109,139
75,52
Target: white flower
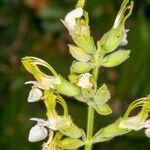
132,123
53,123
58,122
147,132
70,19
49,82
37,133
35,95
124,38
147,126
84,81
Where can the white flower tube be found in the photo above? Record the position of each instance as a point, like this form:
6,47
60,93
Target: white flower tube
70,19
37,133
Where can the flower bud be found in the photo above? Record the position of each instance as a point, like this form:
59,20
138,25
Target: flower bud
35,95
67,88
79,54
81,67
37,133
116,58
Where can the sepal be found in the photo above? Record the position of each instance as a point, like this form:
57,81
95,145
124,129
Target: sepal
102,95
81,67
70,143
103,109
72,131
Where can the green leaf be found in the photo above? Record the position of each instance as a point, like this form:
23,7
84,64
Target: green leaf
81,67
79,54
70,143
109,132
115,58
102,95
103,109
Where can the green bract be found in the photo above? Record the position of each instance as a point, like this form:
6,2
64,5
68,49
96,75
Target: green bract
115,58
70,143
79,54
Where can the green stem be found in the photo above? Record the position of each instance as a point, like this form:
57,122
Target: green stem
90,123
90,127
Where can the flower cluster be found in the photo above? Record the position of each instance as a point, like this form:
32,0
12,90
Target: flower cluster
60,130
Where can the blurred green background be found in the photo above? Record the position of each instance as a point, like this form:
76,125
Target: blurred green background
33,27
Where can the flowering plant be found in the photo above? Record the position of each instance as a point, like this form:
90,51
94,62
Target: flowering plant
59,130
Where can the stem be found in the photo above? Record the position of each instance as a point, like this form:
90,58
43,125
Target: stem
90,124
90,127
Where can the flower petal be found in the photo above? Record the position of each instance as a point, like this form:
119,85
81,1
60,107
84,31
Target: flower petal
37,133
35,95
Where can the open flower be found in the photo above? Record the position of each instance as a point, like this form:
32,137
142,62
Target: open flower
70,20
44,81
121,18
84,81
136,122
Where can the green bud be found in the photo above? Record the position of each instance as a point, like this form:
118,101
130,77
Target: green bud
67,88
84,40
70,143
79,54
103,109
80,3
109,132
115,58
72,131
102,95
111,40
81,67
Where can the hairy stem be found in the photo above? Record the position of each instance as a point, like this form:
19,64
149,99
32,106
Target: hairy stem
90,123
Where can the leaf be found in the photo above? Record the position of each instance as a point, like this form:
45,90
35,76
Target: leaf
115,58
81,67
102,95
70,143
103,109
79,54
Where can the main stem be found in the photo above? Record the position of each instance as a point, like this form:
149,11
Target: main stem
90,123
